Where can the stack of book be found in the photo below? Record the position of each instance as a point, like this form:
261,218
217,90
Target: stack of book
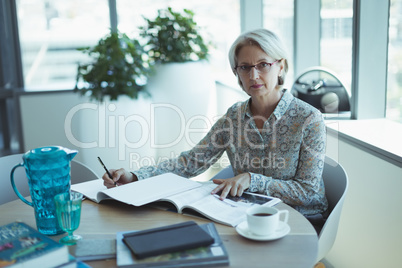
23,246
213,253
94,249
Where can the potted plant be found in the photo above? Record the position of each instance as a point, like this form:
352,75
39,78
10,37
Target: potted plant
115,81
119,67
174,37
179,53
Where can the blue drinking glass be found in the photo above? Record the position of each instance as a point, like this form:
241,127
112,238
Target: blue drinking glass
68,210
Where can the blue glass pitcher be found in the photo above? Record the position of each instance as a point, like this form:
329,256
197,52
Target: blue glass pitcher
48,173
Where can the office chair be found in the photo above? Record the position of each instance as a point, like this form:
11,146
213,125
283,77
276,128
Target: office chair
20,178
336,186
225,173
79,173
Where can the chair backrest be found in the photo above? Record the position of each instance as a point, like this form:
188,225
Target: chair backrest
20,178
336,186
79,173
225,173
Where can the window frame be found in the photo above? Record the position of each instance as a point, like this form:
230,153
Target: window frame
370,60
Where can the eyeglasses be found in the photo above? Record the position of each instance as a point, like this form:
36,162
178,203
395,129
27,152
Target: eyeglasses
262,67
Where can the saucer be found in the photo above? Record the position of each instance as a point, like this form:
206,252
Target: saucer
243,230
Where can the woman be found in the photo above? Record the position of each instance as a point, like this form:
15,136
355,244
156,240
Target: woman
275,142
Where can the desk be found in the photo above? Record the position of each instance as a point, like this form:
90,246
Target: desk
297,249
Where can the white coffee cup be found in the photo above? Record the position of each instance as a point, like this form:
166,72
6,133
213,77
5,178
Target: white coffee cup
265,220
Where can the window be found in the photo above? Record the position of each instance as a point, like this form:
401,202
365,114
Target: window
219,21
336,39
51,31
278,17
394,81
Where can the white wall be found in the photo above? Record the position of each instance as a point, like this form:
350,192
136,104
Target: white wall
110,130
370,232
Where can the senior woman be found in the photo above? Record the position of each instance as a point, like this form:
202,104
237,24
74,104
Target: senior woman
275,142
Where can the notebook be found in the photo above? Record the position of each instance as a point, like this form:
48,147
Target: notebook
167,239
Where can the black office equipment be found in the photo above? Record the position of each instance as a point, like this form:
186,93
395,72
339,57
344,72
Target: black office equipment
321,88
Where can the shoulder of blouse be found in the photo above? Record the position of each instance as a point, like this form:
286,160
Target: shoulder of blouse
238,107
307,108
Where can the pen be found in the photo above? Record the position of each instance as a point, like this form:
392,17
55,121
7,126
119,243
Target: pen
107,171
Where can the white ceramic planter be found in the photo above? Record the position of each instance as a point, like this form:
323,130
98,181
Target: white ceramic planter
116,131
183,106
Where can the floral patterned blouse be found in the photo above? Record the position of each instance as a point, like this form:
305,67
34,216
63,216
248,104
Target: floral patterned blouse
285,159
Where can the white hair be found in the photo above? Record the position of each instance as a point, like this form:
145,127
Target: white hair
268,41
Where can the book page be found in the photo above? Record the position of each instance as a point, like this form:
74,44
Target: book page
152,189
214,208
91,189
137,193
94,249
188,197
230,211
248,199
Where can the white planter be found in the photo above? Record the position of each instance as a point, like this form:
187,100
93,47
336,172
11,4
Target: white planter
183,97
116,131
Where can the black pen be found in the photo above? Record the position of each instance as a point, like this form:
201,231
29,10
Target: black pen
107,171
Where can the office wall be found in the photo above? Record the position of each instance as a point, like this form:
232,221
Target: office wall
110,130
370,227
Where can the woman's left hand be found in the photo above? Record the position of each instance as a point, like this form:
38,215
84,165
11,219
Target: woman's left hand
235,186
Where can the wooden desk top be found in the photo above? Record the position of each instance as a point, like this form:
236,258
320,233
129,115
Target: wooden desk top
297,249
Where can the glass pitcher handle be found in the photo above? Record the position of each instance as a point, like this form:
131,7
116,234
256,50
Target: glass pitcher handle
15,188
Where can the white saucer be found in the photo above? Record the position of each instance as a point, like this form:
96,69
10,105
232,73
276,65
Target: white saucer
243,230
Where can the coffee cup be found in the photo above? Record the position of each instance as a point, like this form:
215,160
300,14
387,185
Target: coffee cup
264,221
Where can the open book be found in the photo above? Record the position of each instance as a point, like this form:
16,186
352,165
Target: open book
186,195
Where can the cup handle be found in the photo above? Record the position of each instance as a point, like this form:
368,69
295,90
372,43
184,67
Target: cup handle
286,213
15,188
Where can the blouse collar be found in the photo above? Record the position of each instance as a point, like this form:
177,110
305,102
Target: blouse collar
280,109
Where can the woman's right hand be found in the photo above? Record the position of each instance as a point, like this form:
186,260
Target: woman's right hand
119,177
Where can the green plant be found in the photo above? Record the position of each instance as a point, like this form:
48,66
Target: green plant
119,67
174,37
